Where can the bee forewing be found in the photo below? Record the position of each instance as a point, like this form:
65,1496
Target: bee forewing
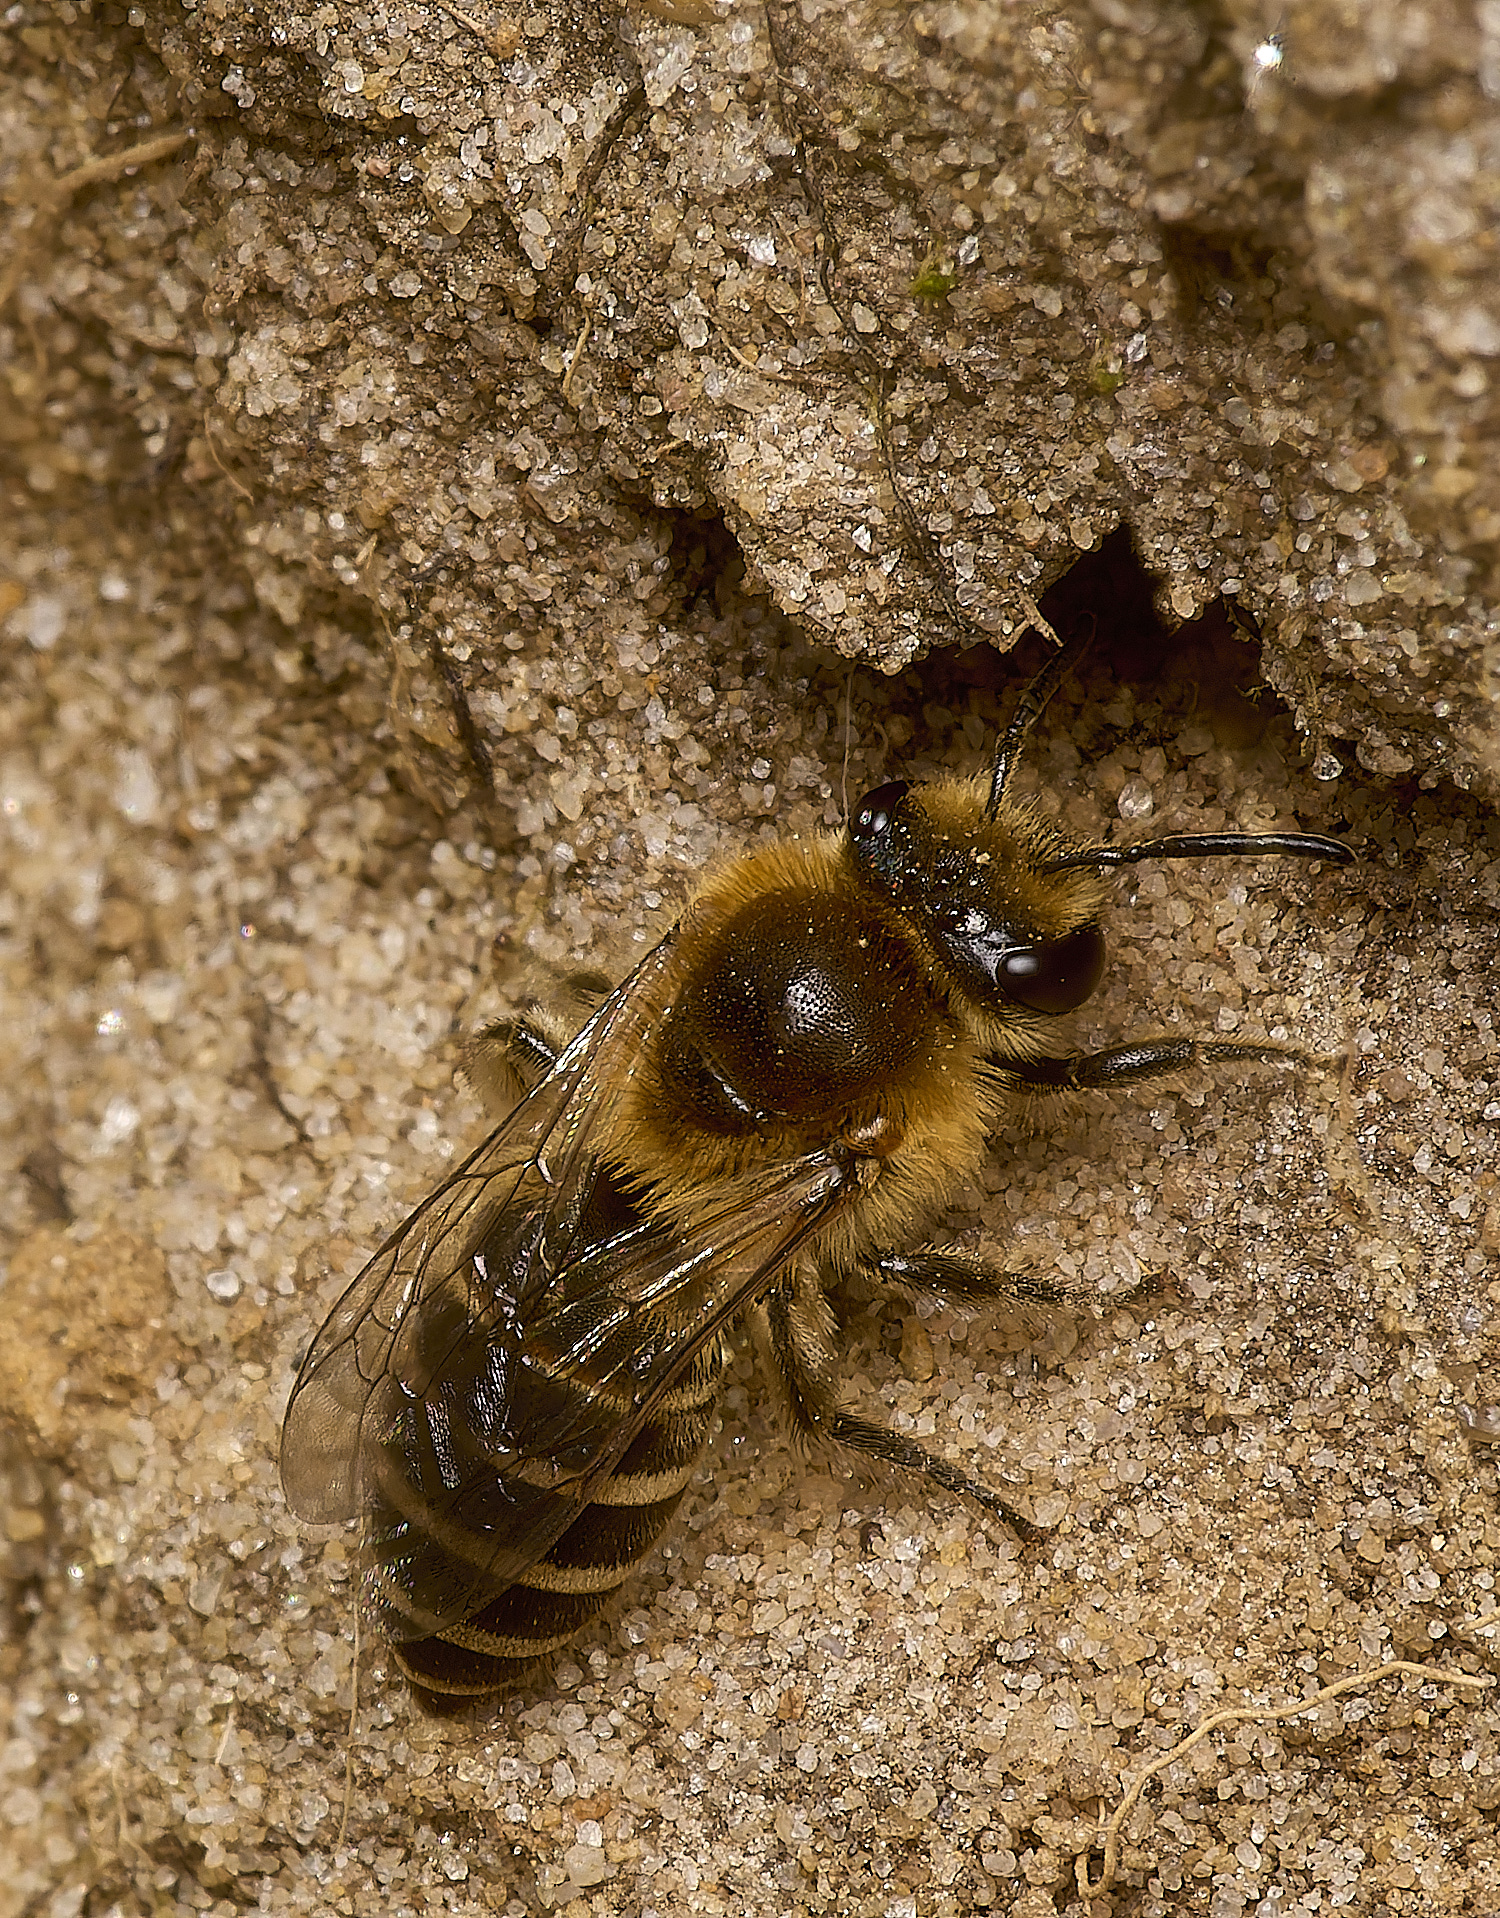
616,1345
619,1329
361,1342
365,1340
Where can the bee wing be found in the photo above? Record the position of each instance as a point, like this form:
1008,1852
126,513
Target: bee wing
507,1447
424,1296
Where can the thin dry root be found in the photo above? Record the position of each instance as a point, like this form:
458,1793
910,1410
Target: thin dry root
349,1739
1256,1715
49,196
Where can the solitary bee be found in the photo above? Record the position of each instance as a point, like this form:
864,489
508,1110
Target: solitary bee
515,1391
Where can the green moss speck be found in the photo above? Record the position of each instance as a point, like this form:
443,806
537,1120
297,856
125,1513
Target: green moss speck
932,283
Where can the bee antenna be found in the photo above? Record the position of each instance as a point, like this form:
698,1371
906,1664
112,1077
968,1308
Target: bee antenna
1029,709
1209,845
848,728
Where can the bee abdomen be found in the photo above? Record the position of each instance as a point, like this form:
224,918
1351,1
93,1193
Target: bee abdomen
545,1606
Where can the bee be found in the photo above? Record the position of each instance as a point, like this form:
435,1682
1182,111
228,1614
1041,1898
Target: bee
515,1391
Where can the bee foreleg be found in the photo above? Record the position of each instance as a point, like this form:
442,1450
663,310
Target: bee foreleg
796,1321
1129,1065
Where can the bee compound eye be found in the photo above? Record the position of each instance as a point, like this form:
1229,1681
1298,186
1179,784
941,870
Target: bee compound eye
1056,976
872,816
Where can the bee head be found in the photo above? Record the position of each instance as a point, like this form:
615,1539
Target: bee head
1007,906
982,887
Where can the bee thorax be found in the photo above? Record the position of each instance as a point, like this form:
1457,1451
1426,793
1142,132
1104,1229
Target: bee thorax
875,1138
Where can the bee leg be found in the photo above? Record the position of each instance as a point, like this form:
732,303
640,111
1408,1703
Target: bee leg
508,1059
1129,1065
799,1323
587,986
956,1279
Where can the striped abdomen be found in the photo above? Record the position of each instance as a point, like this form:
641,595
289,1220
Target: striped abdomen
420,1558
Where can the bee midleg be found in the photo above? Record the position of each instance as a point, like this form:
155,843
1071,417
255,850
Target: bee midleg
955,1278
510,1058
1129,1065
798,1318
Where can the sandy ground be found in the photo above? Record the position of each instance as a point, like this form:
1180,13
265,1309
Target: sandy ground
246,928
239,959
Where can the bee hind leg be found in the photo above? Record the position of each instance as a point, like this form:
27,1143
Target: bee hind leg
797,1318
